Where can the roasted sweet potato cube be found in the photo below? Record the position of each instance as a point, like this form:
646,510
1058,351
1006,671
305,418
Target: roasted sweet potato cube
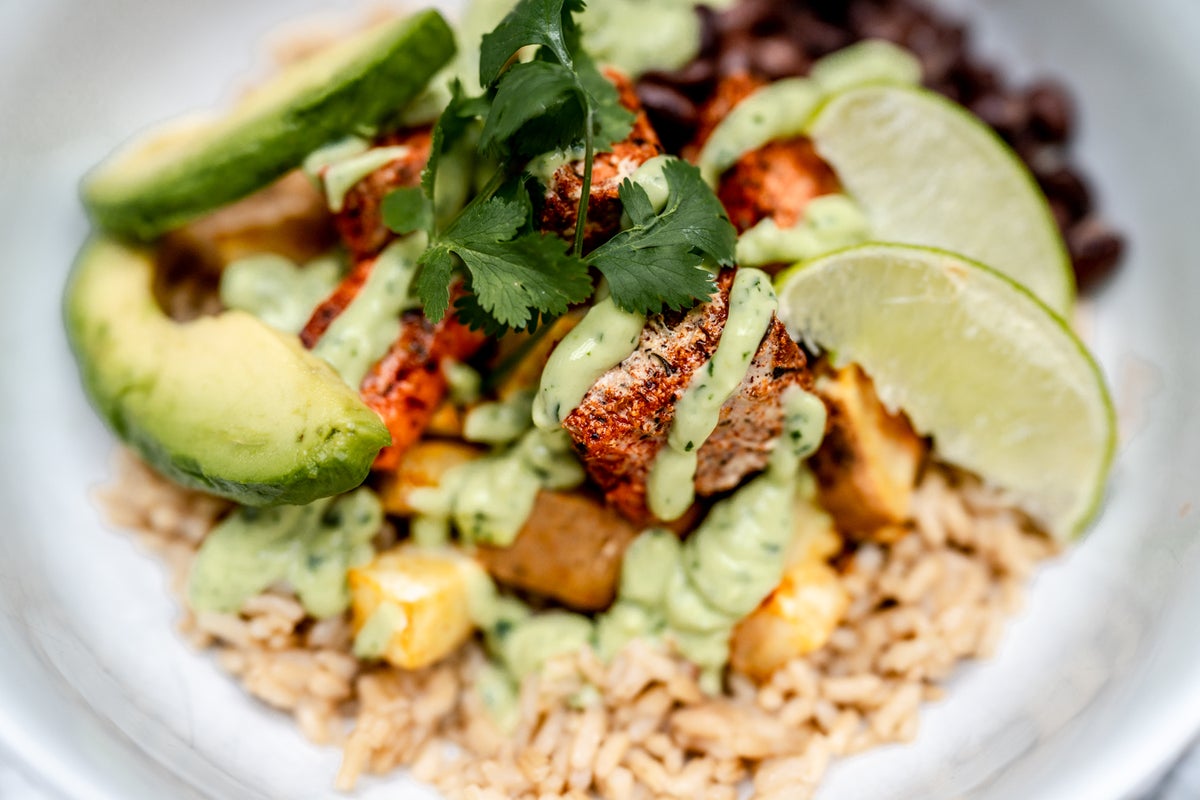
868,463
570,549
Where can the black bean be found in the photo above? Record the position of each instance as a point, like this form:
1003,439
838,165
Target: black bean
1004,112
778,57
735,58
1065,184
709,38
694,77
1052,114
667,106
1095,250
817,37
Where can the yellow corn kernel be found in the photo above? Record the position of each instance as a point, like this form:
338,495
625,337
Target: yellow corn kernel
423,466
410,606
795,619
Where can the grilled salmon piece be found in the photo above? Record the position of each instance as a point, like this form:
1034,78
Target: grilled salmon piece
560,203
360,222
407,385
776,180
625,417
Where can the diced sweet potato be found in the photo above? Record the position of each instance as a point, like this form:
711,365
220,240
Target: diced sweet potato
569,549
427,592
422,467
795,619
868,463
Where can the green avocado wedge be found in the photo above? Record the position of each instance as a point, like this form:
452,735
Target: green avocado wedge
177,172
224,403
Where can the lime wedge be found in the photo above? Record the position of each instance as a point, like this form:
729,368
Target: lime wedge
998,380
927,172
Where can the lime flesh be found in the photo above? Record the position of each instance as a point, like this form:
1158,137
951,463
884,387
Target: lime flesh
926,172
999,381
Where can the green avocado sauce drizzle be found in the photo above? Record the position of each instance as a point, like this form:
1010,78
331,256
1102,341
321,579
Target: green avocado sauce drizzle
309,547
782,110
277,291
670,485
363,332
488,500
690,594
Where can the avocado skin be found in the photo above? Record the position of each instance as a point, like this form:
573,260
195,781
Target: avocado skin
233,160
330,453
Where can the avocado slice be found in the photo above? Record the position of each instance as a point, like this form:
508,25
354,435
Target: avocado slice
223,403
177,172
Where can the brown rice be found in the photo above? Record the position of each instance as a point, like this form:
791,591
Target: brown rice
644,729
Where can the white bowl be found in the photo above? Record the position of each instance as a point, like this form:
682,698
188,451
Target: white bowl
1097,683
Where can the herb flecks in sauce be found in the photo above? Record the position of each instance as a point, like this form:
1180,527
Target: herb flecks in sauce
670,484
308,547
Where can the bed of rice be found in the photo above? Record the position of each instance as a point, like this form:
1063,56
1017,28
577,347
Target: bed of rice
638,727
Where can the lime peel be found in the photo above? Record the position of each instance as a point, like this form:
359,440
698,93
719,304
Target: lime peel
998,380
927,172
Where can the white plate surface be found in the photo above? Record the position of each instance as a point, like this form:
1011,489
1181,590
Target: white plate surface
1098,681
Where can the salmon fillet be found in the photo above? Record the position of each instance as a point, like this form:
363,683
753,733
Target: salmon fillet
360,222
625,417
560,203
777,180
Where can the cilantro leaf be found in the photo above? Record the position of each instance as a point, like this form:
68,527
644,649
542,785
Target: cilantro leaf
612,121
544,22
515,279
406,210
528,92
458,115
432,283
658,260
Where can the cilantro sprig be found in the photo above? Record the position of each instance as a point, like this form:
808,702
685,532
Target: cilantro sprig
656,260
517,277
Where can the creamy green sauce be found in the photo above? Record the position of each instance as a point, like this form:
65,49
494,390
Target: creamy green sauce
694,593
330,154
499,422
783,109
277,291
651,177
309,547
670,484
341,175
637,36
364,331
830,223
375,634
690,593
464,382
779,110
488,500
603,338
544,166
